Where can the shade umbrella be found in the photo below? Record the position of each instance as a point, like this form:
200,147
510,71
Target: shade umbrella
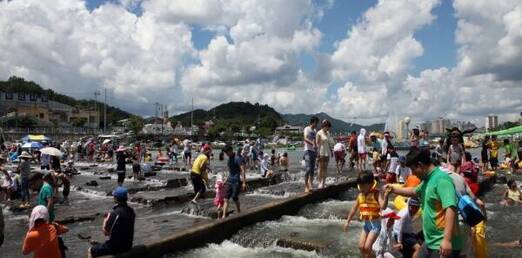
32,145
51,151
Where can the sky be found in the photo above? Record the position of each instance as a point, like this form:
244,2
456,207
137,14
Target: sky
360,61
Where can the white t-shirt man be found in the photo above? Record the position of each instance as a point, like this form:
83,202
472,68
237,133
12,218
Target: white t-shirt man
309,134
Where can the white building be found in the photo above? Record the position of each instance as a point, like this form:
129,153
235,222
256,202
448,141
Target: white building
491,122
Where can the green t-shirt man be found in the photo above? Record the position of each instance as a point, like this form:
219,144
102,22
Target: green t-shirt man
46,192
437,193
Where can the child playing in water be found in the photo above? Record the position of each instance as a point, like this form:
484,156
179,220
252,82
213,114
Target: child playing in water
512,195
369,203
219,199
493,152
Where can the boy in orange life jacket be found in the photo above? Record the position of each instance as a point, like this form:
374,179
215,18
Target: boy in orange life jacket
369,202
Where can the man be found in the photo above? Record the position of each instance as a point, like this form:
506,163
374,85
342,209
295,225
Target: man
45,160
385,143
187,152
120,164
199,172
236,168
25,170
310,154
352,148
408,239
46,195
118,225
439,202
361,150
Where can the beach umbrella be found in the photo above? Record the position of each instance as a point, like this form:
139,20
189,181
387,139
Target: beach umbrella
51,151
32,145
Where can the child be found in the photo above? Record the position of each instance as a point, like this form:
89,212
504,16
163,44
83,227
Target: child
408,228
493,152
283,161
402,172
219,199
369,203
273,158
512,195
136,168
383,245
264,166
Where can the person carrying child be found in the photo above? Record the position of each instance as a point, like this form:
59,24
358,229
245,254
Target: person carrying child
369,203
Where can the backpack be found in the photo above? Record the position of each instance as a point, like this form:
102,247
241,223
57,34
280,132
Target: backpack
469,210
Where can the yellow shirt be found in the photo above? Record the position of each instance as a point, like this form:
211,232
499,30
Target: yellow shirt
199,163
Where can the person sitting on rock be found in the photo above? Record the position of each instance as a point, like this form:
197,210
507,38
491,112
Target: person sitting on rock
118,225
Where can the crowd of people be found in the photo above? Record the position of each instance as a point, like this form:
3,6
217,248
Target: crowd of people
438,181
428,186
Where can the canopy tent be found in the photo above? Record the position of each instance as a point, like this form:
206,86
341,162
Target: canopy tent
32,145
36,138
509,131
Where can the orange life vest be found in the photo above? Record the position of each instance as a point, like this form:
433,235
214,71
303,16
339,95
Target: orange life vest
368,206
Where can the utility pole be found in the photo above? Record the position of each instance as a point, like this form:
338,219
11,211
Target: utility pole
105,113
96,116
192,117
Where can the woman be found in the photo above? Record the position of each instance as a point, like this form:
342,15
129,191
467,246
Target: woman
42,238
455,153
324,142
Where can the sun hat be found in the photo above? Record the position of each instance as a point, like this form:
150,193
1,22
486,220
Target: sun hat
120,193
389,213
402,159
25,154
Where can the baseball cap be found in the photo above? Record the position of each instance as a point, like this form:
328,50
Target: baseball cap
120,193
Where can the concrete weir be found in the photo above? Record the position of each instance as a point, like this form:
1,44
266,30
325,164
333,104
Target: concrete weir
220,230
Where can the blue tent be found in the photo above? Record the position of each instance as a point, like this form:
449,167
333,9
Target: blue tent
32,145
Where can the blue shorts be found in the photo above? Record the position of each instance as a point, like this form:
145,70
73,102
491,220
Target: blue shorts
310,157
372,226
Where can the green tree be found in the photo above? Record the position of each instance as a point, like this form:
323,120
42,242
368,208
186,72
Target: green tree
136,124
78,121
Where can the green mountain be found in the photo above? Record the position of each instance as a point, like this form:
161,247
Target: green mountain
17,84
338,126
235,116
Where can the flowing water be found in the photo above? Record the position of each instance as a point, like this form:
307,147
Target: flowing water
317,228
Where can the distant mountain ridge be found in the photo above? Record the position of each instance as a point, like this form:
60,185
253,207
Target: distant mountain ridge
338,126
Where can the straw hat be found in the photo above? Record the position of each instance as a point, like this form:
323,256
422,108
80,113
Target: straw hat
25,154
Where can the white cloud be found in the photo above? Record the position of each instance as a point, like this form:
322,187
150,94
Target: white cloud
76,51
256,55
490,38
